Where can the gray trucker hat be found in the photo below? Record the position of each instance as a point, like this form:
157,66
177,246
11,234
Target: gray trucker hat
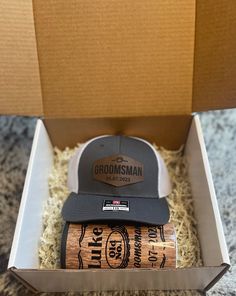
119,179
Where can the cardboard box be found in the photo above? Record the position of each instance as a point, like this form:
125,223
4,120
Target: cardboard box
107,67
24,259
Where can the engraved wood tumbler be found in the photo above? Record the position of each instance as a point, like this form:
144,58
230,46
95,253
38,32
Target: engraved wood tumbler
118,246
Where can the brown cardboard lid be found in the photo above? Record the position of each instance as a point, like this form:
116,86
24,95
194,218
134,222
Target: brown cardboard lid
20,90
113,57
214,84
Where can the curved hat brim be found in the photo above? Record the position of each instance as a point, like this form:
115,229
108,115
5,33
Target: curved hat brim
84,208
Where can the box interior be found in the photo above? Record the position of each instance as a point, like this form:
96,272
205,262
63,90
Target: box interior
210,231
24,255
120,280
29,222
169,131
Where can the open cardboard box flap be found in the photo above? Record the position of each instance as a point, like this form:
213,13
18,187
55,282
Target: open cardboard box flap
103,58
70,60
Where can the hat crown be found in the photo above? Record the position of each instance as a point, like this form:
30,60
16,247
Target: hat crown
118,166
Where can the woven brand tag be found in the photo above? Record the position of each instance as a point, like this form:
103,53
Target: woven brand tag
115,205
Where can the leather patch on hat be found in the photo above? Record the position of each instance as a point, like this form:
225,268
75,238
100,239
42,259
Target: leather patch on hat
118,170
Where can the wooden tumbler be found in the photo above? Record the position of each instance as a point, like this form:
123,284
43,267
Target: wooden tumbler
118,246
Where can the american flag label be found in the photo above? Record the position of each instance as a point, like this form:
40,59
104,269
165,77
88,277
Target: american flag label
115,205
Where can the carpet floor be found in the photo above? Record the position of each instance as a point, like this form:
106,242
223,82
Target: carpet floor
16,135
